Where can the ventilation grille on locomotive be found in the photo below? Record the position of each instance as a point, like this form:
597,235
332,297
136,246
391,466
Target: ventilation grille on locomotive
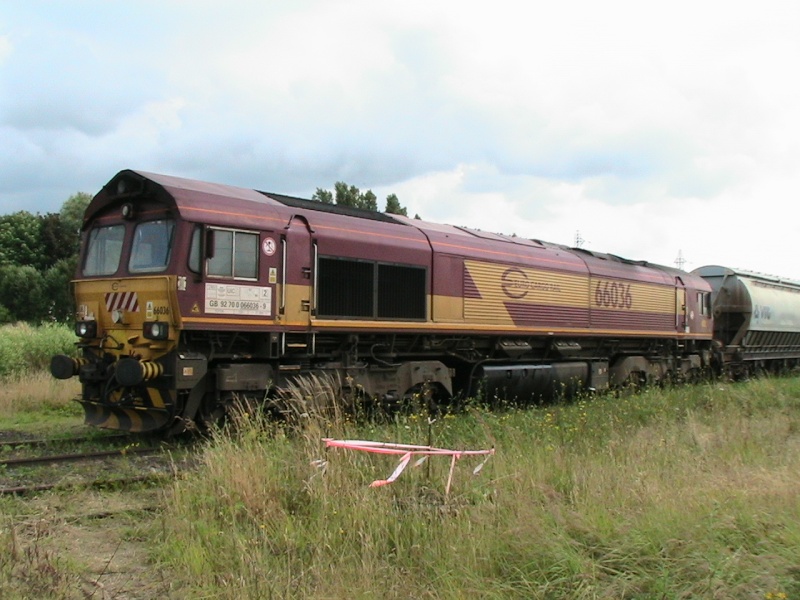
353,288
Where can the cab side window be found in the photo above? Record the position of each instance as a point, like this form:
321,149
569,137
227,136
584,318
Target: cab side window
194,250
232,254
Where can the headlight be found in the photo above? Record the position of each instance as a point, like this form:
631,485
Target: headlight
155,330
86,329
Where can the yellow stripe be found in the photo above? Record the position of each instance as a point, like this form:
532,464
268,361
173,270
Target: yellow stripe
136,421
223,321
112,422
155,397
493,328
459,327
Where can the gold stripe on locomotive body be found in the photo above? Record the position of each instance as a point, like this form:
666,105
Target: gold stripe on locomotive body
524,297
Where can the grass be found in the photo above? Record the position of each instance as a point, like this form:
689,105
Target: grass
683,493
689,492
28,348
30,398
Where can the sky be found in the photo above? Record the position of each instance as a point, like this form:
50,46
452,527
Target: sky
650,130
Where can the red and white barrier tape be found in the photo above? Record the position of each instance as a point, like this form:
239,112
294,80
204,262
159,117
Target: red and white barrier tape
406,451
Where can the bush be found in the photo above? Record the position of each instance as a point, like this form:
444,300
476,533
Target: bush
25,348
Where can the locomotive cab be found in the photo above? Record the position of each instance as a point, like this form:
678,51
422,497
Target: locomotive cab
127,317
191,296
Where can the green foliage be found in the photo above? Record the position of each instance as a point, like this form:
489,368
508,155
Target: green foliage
20,239
57,242
25,349
38,255
58,291
22,293
324,196
685,493
394,207
27,294
369,201
71,214
350,195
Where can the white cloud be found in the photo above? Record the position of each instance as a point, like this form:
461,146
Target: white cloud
747,227
648,128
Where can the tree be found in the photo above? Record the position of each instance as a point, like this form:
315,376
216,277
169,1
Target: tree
346,195
58,291
324,196
20,239
38,255
394,207
22,293
57,242
349,195
71,215
368,201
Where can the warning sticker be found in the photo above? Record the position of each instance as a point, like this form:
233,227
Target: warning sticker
238,299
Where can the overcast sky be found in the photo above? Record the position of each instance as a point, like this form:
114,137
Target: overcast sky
650,128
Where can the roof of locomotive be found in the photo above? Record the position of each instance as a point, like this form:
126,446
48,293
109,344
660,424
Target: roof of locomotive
209,202
231,206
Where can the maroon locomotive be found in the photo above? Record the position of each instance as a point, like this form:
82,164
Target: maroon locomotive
191,295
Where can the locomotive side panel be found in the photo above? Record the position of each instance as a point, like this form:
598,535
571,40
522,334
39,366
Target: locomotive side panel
622,304
530,299
372,271
238,285
448,289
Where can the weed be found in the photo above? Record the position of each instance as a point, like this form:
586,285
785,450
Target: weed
29,569
686,492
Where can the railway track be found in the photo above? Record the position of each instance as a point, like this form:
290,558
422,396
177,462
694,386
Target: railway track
17,444
23,490
74,457
28,471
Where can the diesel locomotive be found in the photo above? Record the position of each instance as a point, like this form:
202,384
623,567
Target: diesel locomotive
192,295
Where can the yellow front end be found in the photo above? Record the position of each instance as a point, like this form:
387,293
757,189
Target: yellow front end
131,331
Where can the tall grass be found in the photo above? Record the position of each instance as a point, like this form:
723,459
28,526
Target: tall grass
25,383
36,395
683,493
27,348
